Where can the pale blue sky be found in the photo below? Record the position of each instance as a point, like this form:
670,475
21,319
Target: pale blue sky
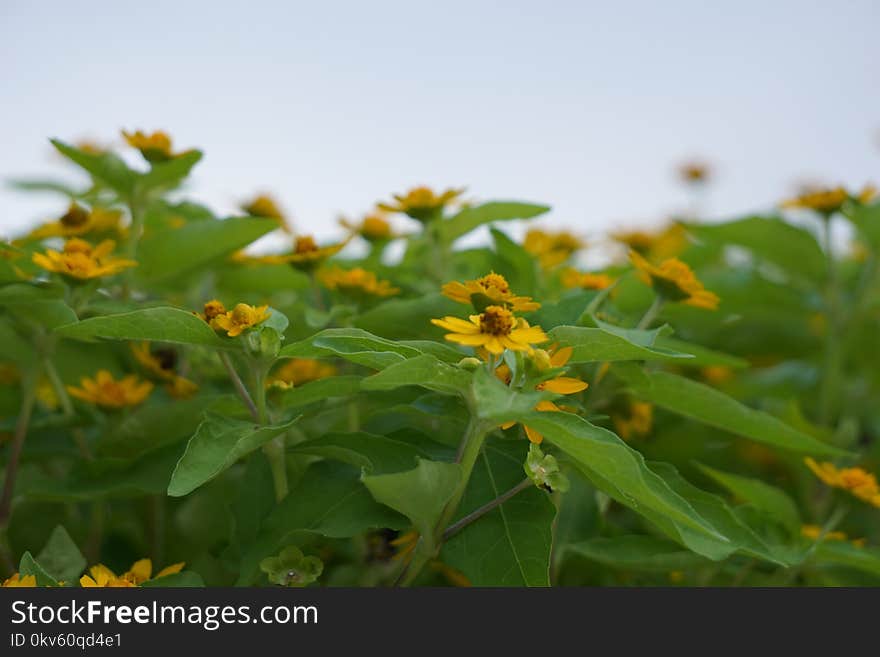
587,106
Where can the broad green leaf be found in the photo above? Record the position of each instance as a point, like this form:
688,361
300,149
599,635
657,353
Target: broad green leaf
473,217
420,494
425,371
29,566
168,174
566,311
54,186
511,545
164,254
254,501
702,356
60,557
373,453
637,552
867,220
352,344
844,553
592,345
164,324
496,403
408,319
13,347
733,524
616,468
329,500
106,168
216,445
760,495
315,391
704,404
790,247
184,579
517,265
436,349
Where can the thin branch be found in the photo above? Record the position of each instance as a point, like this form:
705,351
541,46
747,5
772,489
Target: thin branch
239,386
454,528
21,428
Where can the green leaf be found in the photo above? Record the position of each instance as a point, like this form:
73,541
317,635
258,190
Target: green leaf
164,254
704,404
184,579
373,453
867,220
106,168
420,494
702,356
762,496
844,553
216,445
592,345
638,553
790,247
733,524
616,468
29,566
48,313
511,545
517,265
329,500
425,371
566,311
164,324
168,174
496,403
352,344
315,391
473,217
60,557
403,319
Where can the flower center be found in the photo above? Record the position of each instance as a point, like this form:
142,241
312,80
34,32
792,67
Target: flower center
77,246
375,227
74,217
496,320
305,244
214,308
494,280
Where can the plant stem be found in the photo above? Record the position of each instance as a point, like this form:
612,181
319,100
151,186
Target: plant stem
21,427
456,527
830,525
275,448
831,375
652,312
239,386
66,407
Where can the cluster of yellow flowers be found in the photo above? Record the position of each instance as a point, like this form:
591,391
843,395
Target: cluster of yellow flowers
858,482
235,321
81,260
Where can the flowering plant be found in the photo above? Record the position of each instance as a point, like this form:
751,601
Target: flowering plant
697,411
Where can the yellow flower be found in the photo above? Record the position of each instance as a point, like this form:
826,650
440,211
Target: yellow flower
298,371
571,277
161,364
422,203
105,391
306,255
675,281
551,249
635,421
828,200
561,385
495,329
814,531
79,221
373,228
82,261
140,572
356,281
155,147
489,289
266,206
858,482
717,374
16,581
694,172
659,245
212,309
239,319
90,147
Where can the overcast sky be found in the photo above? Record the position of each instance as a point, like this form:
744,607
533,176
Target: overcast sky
587,106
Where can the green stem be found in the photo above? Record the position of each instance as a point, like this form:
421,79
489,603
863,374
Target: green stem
157,521
468,451
66,407
456,527
652,312
240,389
830,525
831,374
275,448
21,428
